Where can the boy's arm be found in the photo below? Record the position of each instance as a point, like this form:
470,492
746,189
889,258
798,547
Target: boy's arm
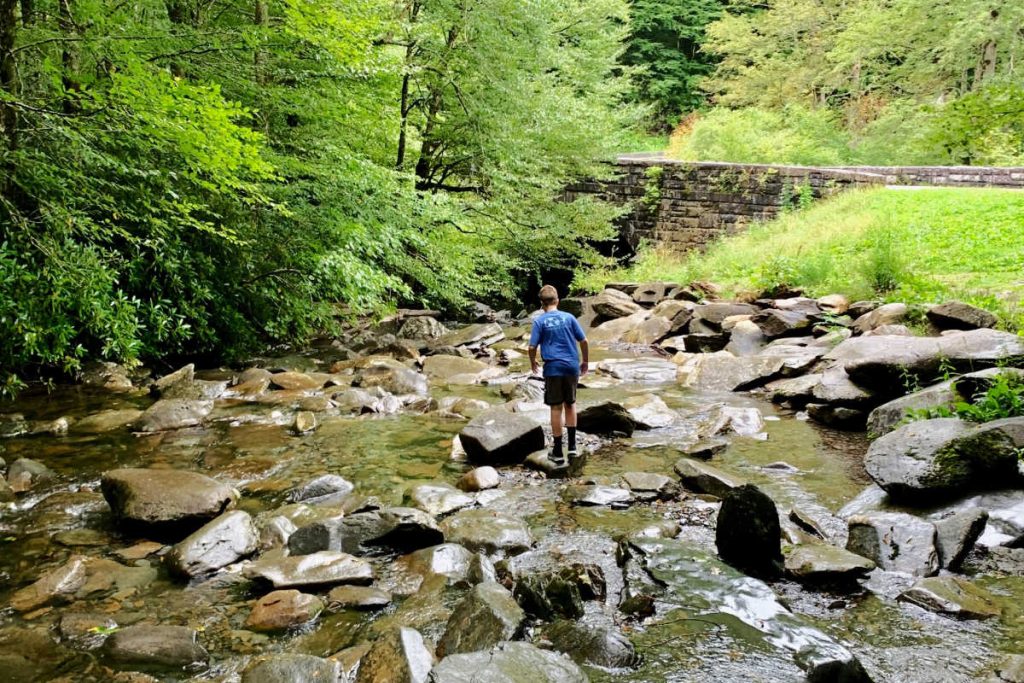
534,368
585,352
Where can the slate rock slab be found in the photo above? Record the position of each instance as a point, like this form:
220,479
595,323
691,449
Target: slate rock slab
498,437
161,497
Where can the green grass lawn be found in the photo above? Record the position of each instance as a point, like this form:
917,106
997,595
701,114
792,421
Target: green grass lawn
917,246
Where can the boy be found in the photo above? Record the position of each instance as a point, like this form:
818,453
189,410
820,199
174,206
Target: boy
557,332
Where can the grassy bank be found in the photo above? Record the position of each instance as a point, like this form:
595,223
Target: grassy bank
924,245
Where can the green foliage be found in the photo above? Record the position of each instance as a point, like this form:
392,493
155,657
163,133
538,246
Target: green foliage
652,186
1002,399
793,135
180,177
666,44
883,268
904,81
931,245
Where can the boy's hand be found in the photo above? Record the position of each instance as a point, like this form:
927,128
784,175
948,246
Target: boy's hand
534,368
584,368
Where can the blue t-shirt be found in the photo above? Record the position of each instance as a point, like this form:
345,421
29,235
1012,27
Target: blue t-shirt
556,333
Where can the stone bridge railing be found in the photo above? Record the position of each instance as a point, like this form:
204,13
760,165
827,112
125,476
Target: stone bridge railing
685,205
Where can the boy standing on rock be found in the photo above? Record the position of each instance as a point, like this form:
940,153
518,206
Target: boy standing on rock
556,333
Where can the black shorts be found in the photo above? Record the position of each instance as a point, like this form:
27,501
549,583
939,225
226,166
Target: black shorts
561,389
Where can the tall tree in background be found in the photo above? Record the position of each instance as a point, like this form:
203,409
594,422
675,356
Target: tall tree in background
666,45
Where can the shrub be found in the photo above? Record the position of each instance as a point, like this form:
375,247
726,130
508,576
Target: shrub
1003,398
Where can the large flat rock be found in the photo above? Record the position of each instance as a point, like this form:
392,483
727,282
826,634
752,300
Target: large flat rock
165,497
497,437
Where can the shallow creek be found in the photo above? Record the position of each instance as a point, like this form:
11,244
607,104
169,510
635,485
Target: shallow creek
251,447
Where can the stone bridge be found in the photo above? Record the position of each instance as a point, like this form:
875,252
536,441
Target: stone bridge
687,205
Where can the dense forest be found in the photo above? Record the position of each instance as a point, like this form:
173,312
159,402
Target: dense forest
211,176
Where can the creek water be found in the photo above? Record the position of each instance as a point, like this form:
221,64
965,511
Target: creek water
250,446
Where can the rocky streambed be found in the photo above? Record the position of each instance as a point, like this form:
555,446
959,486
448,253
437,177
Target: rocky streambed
379,508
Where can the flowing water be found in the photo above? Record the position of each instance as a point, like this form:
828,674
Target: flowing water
251,447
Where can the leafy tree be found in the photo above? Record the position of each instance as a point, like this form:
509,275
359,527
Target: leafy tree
187,177
666,45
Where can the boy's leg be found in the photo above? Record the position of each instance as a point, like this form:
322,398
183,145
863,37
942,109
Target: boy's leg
570,428
553,397
556,431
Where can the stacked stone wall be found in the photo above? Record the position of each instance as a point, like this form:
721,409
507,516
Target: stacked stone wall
684,206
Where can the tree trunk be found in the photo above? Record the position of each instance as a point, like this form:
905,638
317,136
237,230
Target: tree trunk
69,55
410,51
8,75
28,12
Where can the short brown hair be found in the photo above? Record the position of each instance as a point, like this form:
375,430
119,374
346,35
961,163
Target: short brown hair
548,295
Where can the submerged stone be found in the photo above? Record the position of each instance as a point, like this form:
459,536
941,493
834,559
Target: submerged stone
510,662
953,596
484,618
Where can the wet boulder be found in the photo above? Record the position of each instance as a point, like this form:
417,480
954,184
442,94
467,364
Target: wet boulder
603,646
107,376
487,616
711,589
479,479
400,655
545,595
612,303
837,417
599,495
153,645
403,529
438,499
106,421
291,668
640,370
453,369
165,497
775,323
887,314
55,586
487,531
956,315
510,662
895,542
746,339
700,477
394,380
220,542
498,437
708,318
322,490
607,418
316,569
953,596
615,330
651,484
821,564
649,411
748,535
421,327
295,381
649,331
890,416
358,597
883,363
650,293
283,609
482,334
449,560
933,459
956,535
173,413
723,371
24,474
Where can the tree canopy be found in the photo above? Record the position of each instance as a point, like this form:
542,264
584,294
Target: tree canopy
205,176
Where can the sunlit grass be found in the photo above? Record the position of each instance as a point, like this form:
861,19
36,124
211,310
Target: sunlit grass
917,246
